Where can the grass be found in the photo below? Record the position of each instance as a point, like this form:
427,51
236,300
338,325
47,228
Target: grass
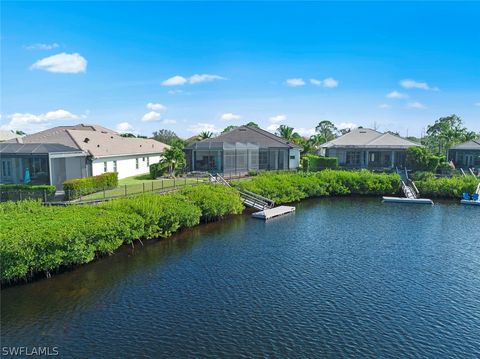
139,184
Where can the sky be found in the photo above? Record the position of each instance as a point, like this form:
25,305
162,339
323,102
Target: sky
194,66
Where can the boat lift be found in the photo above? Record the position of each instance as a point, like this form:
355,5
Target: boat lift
474,200
412,194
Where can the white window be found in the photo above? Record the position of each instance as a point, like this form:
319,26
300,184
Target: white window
114,166
136,163
105,166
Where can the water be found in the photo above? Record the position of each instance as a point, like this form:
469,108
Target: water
339,278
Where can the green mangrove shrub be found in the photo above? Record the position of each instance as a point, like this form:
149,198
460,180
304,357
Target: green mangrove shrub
290,187
316,163
446,187
215,201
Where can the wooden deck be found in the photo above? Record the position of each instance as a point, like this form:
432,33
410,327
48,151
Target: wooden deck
273,212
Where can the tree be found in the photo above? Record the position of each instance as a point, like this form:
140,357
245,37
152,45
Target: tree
165,136
326,131
287,133
252,124
421,159
128,135
205,134
344,131
173,157
229,128
20,132
446,132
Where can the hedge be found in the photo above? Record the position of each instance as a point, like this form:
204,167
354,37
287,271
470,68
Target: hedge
18,192
290,187
317,163
37,239
447,187
77,187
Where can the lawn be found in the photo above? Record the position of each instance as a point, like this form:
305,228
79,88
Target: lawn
139,184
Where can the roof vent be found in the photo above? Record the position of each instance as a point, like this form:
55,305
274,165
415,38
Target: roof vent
111,136
242,129
140,145
98,145
86,140
363,131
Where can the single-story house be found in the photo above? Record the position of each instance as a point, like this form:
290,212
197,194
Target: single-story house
241,150
64,152
465,155
367,148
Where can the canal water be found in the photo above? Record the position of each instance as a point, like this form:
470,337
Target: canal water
339,278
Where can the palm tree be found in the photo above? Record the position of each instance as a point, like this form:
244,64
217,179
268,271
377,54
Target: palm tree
287,133
173,158
205,134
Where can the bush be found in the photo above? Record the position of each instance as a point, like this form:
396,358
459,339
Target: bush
215,201
290,187
75,188
41,239
447,187
317,163
421,159
156,170
18,192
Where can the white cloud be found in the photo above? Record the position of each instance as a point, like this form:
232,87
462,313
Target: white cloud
42,46
330,82
412,84
25,120
151,116
346,125
277,118
416,105
194,79
396,95
305,132
156,106
315,82
230,117
174,92
201,127
273,127
62,63
168,121
124,127
175,81
295,82
384,105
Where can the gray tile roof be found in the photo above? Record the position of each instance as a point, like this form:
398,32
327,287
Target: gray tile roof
94,139
35,148
245,134
368,138
469,145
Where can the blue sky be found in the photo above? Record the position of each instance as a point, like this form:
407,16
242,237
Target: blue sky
203,66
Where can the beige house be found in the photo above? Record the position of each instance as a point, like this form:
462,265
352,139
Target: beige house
367,148
64,152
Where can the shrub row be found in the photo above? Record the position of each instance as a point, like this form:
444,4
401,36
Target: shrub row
74,188
446,187
18,192
317,163
39,239
290,187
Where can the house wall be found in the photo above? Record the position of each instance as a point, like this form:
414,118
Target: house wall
294,158
126,165
368,158
465,158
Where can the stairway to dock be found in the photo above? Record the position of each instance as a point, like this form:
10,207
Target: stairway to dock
265,206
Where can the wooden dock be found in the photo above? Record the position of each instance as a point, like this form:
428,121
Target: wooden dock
273,212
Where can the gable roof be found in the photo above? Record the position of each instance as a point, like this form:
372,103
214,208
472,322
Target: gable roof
98,141
246,134
469,145
368,138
